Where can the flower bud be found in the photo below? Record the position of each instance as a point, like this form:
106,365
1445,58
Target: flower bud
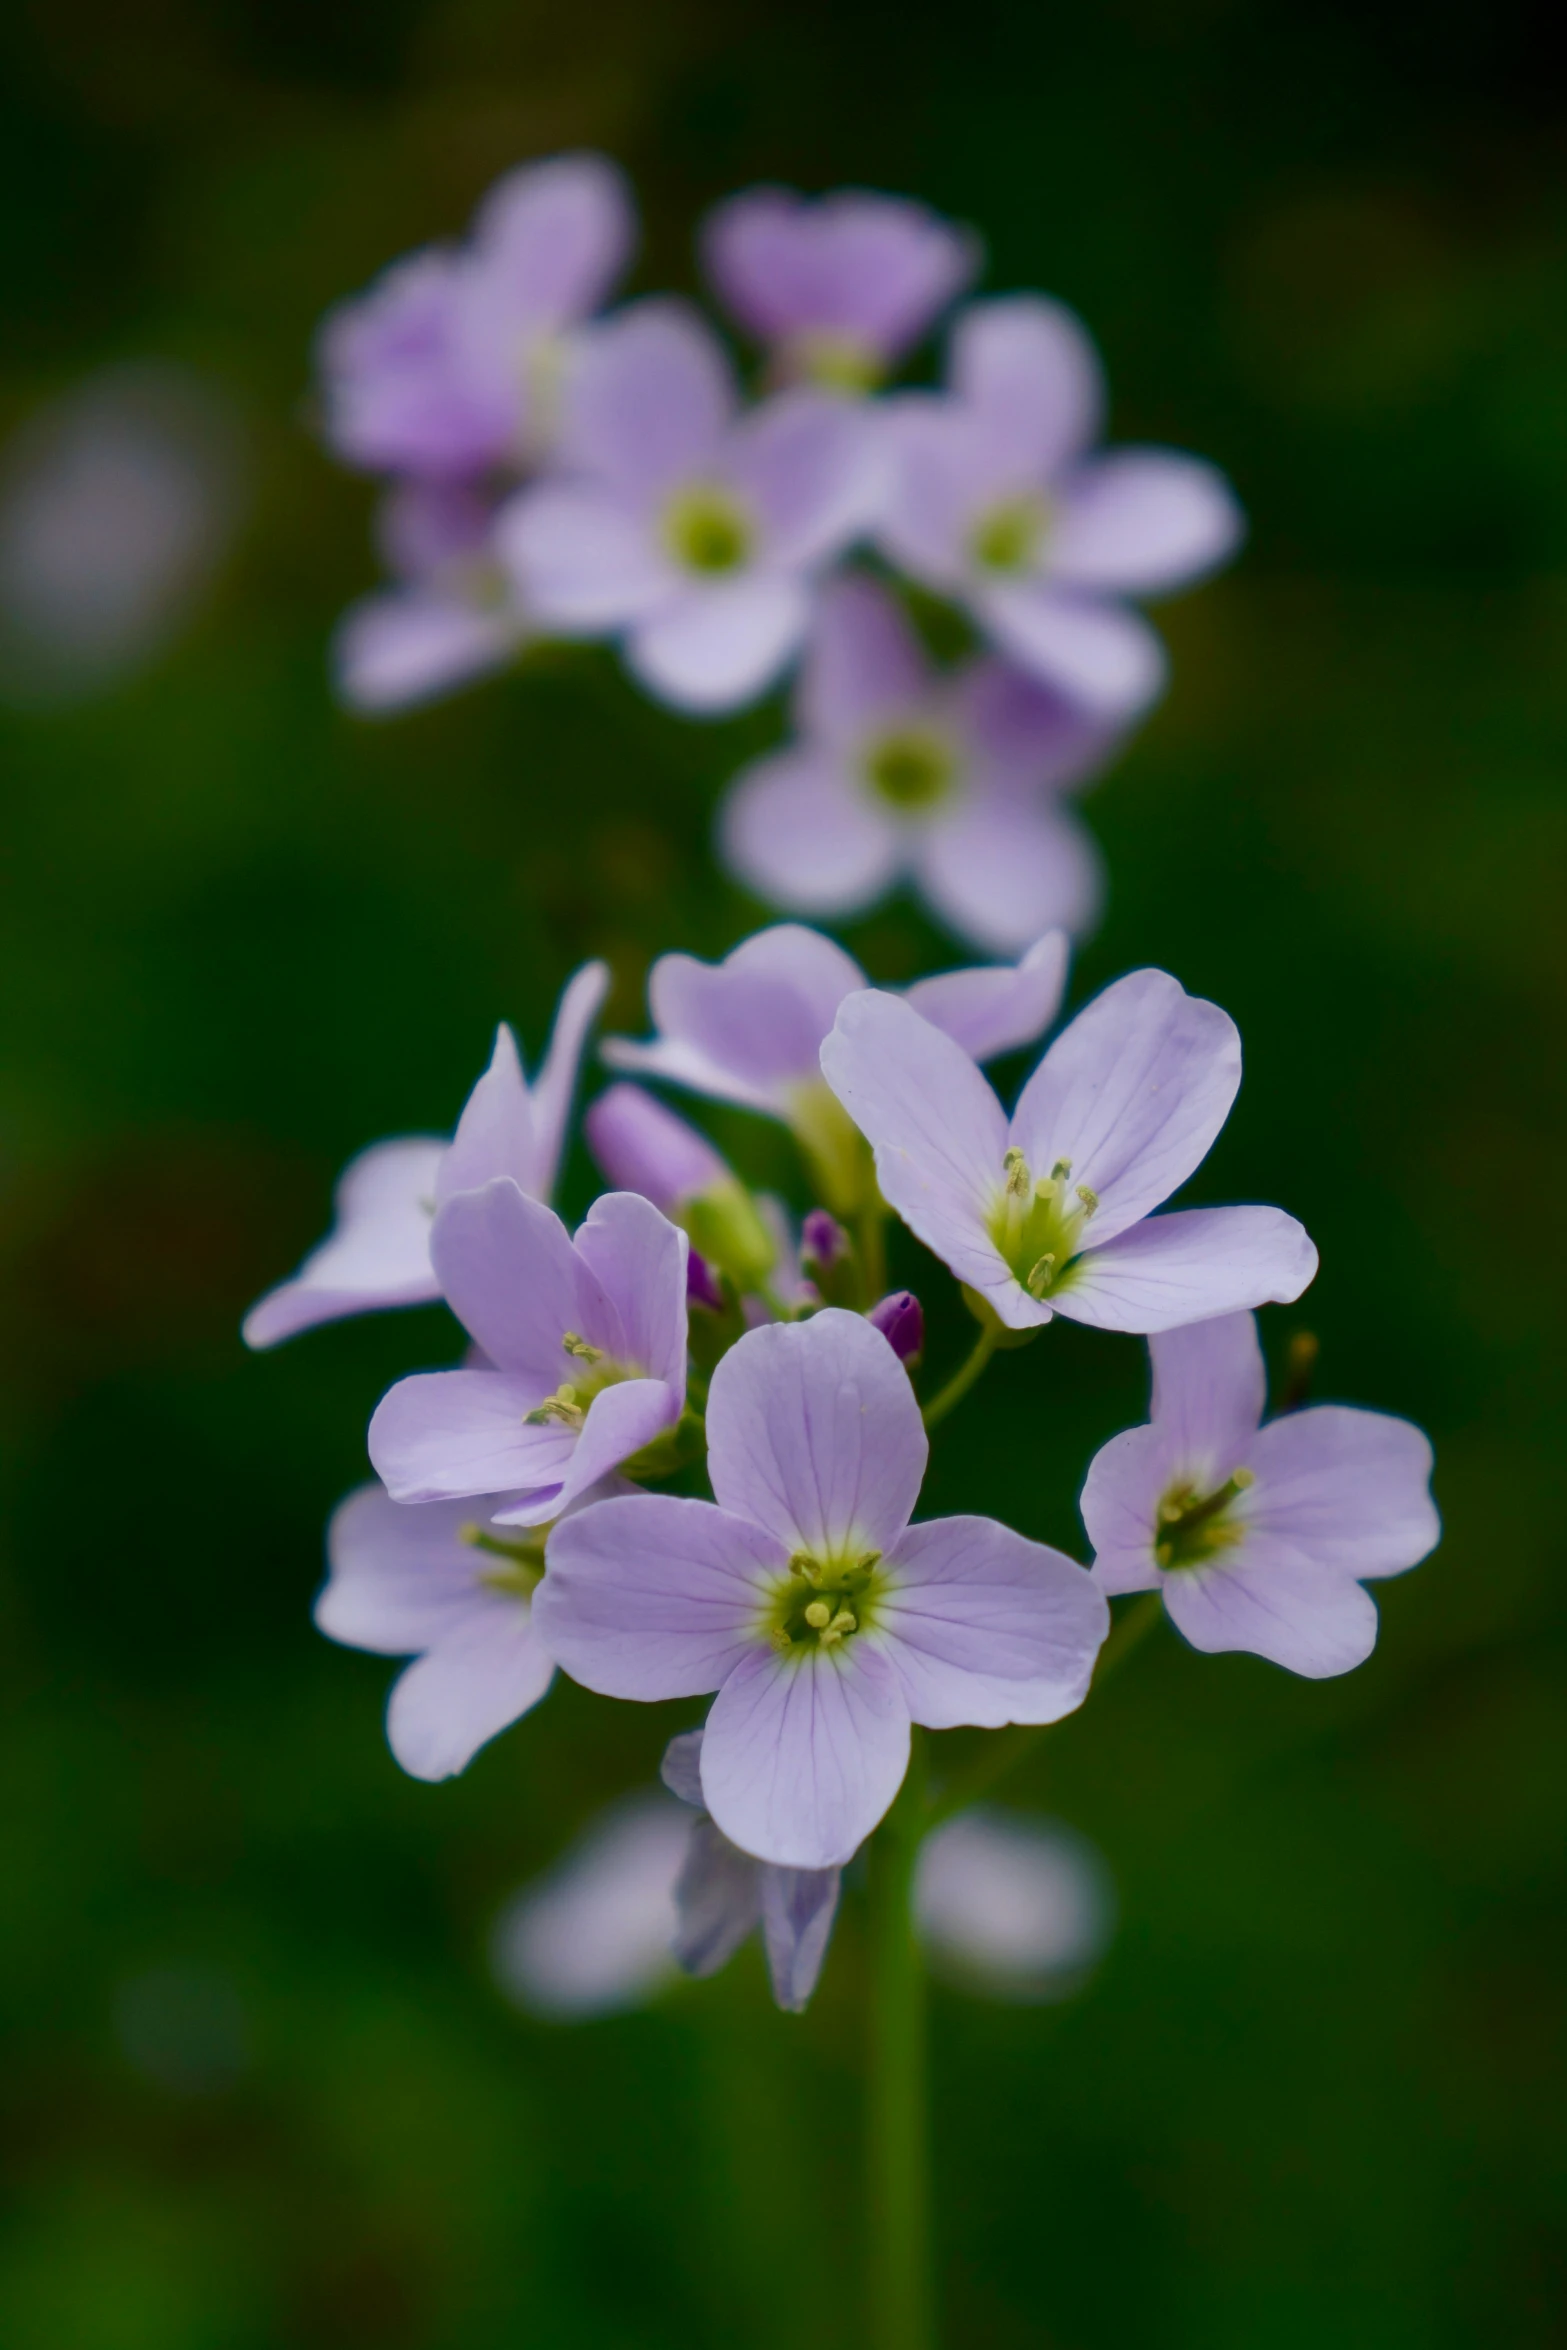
823,1240
901,1320
643,1147
701,1288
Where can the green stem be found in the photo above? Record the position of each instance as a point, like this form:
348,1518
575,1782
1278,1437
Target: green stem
873,1250
902,2311
1002,1753
963,1378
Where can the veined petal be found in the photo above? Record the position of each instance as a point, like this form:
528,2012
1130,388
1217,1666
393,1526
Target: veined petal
1142,520
1001,868
813,1432
1131,1096
802,1755
648,400
984,1627
810,466
379,1250
651,1596
557,1079
865,663
495,1134
795,830
798,1908
1127,1479
718,1899
749,1028
1188,1267
1348,1488
399,1578
443,1434
404,646
509,1272
1210,1386
1104,655
940,472
712,648
1307,1617
583,562
1028,737
473,1683
640,1259
1029,365
998,1008
620,1421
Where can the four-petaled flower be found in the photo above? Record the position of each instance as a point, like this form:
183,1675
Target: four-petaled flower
378,1252
693,532
1257,1537
954,782
584,1343
825,1621
992,500
1049,1212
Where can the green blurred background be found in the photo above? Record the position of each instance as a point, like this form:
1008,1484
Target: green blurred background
1314,2093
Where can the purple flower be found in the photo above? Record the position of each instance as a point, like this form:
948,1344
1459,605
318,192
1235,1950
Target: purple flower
1015,1908
592,1936
952,783
1257,1538
837,290
450,365
901,1320
722,1895
825,1621
452,616
453,1587
378,1252
644,1147
584,1346
750,1030
992,499
1049,1212
693,533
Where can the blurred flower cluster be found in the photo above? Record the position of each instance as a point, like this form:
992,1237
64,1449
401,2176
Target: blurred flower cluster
953,570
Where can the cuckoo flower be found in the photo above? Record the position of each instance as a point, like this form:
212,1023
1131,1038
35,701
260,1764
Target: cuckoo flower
644,1147
1257,1537
1014,1907
750,1030
689,531
452,615
378,1253
584,1347
593,1935
839,289
449,366
722,1895
1049,1212
992,499
825,1621
954,783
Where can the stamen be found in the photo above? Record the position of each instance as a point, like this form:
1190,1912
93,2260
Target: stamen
818,1615
1040,1274
1090,1199
562,1406
843,1621
780,1639
581,1348
1061,1170
808,1569
1019,1181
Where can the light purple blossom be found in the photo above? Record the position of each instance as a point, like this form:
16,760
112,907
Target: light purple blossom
838,289
993,499
722,1895
378,1252
750,1029
593,1934
1014,1907
954,783
450,365
644,1147
452,614
584,1347
825,1621
693,533
1050,1211
1257,1537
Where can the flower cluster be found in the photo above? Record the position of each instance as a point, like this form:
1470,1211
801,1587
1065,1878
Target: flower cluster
556,470
683,1453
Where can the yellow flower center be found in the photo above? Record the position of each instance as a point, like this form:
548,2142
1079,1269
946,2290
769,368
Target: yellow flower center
824,1601
1008,537
1038,1224
708,530
1193,1528
912,769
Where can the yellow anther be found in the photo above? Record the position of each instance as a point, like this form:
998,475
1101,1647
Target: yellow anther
562,1406
1241,1478
1061,1170
843,1622
1019,1181
582,1348
1171,1513
780,1639
1040,1274
1163,1554
1090,1199
808,1569
818,1615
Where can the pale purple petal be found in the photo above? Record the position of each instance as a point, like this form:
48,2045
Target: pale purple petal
1131,1095
399,1578
937,1129
1000,869
648,400
939,476
681,1768
1348,1488
1188,1267
640,1259
1103,655
443,1434
379,1250
809,466
1016,1907
747,1029
717,1900
1127,1479
867,270
1029,365
476,1681
408,645
582,561
652,1597
495,1134
1142,520
1025,734
1307,1617
798,1909
423,526
509,1272
796,830
1000,1008
620,1421
642,1146
813,1432
818,971
553,237
591,1936
983,1627
1210,1386
865,664
802,1755
712,648
556,1083
398,397
684,1063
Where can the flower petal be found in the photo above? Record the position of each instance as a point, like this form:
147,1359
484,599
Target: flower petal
1026,735
802,1755
1127,1479
1131,1095
556,1083
810,467
583,561
475,1682
748,1029
1348,1488
1103,655
620,1421
813,1432
640,1259
1014,1907
798,1908
1308,1618
553,237
652,1597
591,1936
378,1253
409,645
648,399
1189,1267
712,648
1000,1008
1029,365
1143,520
495,1134
795,830
510,1274
1210,1386
644,1147
718,1900
865,662
1001,868
399,1578
869,269
681,1768
443,1434
984,1627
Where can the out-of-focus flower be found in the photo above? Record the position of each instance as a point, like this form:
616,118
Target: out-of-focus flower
452,616
644,1147
750,1030
954,783
117,504
691,532
825,1621
584,1341
723,1895
1013,1907
1050,1212
594,1935
452,1587
837,290
378,1253
450,365
901,1320
992,499
1257,1538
